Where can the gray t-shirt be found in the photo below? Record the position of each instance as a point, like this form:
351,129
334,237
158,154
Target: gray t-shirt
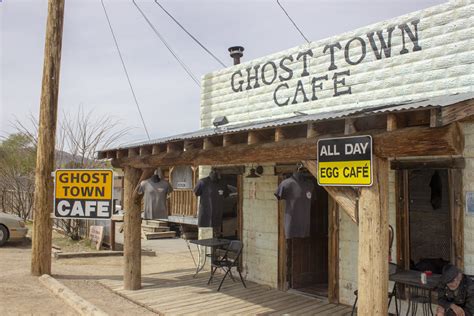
154,198
298,194
211,202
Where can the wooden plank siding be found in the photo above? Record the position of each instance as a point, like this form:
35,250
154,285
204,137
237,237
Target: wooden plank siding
183,203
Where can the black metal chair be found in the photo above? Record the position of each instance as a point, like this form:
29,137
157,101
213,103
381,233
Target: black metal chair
392,268
229,260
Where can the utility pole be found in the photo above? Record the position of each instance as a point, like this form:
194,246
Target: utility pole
43,199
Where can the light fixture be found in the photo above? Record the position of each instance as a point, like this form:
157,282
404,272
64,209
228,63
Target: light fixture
255,172
220,120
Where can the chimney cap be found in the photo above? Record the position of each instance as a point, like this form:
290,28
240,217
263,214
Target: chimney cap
236,50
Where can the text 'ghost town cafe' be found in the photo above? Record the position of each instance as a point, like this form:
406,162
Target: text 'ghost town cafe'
83,193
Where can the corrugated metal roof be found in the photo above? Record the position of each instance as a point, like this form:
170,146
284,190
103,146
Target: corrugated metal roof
256,125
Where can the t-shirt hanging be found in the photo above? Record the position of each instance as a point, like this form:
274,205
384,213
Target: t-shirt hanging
298,194
211,203
154,198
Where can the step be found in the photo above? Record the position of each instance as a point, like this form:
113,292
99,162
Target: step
159,235
154,229
154,223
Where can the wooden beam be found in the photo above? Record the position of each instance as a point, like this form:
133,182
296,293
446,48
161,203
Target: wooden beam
208,144
282,246
456,202
132,231
279,134
260,136
429,163
420,141
392,122
145,151
349,126
435,117
373,243
43,196
333,251
457,112
406,142
133,152
345,197
402,206
253,138
311,130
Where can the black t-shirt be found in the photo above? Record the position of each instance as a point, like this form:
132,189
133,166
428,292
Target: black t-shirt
211,202
298,194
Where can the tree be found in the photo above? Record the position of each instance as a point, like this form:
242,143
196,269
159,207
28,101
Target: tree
17,167
79,136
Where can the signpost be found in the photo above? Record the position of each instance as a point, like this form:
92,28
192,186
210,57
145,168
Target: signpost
345,161
83,193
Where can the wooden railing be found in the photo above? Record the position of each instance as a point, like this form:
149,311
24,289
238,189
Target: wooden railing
183,203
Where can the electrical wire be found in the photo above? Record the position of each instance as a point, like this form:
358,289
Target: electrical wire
190,35
296,26
125,68
183,65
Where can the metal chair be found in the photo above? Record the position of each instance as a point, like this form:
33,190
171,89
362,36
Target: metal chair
229,260
392,268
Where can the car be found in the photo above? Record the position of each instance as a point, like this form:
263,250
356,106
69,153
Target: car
12,227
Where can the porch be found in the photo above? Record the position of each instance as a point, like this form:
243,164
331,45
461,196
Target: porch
176,292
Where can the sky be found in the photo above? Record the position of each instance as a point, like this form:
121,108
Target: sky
92,75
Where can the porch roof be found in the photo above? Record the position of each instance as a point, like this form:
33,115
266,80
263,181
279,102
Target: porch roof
429,103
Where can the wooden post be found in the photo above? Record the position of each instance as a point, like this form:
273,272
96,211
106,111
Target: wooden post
373,243
132,231
43,198
333,250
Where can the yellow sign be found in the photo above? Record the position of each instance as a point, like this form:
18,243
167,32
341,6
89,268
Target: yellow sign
345,161
83,193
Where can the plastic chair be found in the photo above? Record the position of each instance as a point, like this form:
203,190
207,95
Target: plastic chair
229,260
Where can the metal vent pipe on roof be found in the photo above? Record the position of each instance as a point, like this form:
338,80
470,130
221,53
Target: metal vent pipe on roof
236,52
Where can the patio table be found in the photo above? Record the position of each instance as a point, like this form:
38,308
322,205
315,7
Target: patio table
418,292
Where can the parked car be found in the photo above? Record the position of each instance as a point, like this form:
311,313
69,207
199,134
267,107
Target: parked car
12,227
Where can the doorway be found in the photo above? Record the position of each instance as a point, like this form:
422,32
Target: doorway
309,256
303,262
429,220
230,212
429,217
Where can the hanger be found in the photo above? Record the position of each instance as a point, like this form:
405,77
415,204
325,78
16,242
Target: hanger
299,166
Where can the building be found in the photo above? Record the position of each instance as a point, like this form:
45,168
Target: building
408,82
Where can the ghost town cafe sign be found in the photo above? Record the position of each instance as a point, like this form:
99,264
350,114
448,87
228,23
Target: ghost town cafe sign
83,193
280,74
345,161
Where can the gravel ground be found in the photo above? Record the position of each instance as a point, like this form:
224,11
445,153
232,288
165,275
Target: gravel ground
22,294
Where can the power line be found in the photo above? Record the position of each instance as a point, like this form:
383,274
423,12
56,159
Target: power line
296,26
190,35
183,65
125,68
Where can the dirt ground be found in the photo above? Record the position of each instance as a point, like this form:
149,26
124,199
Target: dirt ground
22,294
